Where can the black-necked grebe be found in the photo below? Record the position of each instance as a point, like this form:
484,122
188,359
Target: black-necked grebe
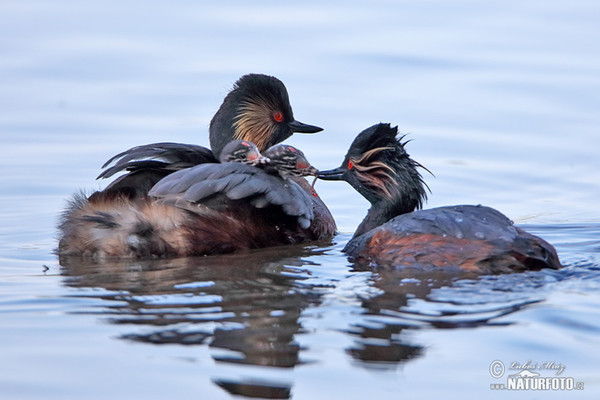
256,110
211,208
474,238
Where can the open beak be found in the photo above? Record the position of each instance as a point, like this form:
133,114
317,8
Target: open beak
300,127
336,174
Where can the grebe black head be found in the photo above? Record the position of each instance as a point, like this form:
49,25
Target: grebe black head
379,168
242,151
288,161
258,110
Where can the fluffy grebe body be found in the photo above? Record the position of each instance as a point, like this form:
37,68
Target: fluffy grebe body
396,233
211,208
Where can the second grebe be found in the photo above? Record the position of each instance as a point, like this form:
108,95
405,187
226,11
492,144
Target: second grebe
395,233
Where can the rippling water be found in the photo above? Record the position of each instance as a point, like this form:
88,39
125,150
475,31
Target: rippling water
500,100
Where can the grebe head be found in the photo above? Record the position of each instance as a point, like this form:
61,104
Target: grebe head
380,169
242,151
257,110
288,161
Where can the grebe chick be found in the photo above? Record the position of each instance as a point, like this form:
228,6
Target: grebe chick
395,233
287,161
242,151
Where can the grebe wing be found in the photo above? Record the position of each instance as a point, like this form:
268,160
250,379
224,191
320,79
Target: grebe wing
166,156
462,222
235,181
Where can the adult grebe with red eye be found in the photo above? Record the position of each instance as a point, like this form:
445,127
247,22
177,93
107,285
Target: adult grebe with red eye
396,233
256,110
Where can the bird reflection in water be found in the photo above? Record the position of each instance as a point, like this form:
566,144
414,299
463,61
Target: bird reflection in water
247,307
255,298
382,340
409,300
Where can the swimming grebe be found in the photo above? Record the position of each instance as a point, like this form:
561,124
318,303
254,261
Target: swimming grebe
474,238
207,209
256,110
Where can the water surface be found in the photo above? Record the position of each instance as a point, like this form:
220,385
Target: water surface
500,100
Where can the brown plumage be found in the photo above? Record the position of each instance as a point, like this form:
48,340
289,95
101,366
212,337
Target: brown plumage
150,229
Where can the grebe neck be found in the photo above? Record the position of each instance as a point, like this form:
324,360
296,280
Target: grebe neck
383,211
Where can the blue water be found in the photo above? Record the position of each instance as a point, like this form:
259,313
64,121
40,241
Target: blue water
500,100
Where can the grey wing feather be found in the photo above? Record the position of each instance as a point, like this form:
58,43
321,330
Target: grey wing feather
179,182
236,181
293,199
165,155
463,221
207,188
248,188
299,203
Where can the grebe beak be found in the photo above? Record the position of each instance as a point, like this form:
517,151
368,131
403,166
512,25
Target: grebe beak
336,174
300,127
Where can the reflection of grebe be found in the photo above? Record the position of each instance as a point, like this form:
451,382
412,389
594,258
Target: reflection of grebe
122,221
474,238
201,297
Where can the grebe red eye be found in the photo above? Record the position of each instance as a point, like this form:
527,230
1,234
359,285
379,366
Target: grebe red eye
278,116
350,164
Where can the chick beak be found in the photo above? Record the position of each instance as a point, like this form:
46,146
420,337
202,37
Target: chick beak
312,171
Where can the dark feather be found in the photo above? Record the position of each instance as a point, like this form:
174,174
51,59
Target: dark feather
235,181
165,155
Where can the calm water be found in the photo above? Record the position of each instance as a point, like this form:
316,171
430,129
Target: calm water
500,98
